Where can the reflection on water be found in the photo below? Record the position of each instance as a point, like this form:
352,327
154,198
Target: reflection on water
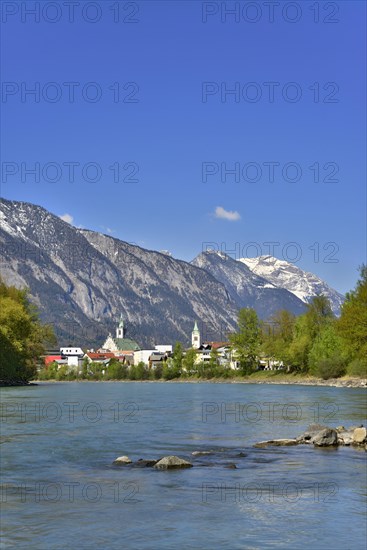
59,487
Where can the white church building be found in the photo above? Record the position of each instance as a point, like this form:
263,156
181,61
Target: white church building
120,343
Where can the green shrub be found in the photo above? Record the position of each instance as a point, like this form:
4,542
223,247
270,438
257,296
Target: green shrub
48,372
157,372
333,367
171,372
62,373
116,371
358,367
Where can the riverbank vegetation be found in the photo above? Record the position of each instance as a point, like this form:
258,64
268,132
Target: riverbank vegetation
318,343
22,336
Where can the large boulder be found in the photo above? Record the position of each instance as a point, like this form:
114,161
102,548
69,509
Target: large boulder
122,460
172,462
311,431
352,428
345,437
325,438
360,436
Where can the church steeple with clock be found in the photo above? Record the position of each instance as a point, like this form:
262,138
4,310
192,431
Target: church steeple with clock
195,337
120,329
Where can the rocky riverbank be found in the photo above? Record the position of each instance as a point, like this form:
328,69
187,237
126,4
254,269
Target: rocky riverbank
346,382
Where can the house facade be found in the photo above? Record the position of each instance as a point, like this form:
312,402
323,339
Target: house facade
72,354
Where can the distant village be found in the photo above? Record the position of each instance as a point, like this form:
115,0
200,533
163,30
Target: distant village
128,352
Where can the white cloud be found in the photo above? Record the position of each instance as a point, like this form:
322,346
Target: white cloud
220,212
67,218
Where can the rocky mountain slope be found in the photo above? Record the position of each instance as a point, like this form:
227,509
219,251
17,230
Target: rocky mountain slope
301,283
246,288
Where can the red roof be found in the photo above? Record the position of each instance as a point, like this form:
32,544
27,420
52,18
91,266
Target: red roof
51,358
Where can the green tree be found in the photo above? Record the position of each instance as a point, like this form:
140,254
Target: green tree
246,341
307,328
300,346
173,368
22,336
318,314
157,372
326,354
49,372
177,357
141,371
277,336
352,324
85,368
188,362
116,371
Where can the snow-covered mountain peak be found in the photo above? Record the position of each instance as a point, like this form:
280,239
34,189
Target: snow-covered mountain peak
303,284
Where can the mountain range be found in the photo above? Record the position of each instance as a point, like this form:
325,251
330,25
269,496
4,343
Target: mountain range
83,280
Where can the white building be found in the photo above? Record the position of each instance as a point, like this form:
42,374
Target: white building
143,356
72,355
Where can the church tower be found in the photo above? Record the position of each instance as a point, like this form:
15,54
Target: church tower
195,337
120,328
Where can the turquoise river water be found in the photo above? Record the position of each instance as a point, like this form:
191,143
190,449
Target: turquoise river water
59,488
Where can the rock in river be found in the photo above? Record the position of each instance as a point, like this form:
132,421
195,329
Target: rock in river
360,436
310,433
325,438
172,462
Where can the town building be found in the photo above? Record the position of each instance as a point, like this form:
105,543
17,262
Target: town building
156,359
142,356
72,354
93,357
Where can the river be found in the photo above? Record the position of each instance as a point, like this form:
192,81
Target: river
59,488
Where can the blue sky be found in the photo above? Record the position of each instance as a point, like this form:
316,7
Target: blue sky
159,78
